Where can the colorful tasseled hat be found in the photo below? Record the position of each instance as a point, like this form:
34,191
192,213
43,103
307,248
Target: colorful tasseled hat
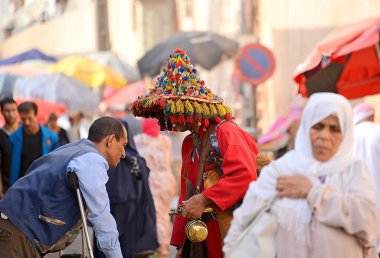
180,96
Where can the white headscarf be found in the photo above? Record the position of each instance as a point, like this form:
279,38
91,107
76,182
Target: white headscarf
319,107
294,214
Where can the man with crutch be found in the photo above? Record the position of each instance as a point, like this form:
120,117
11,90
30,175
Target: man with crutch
40,213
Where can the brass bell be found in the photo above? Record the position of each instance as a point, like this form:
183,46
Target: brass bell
196,231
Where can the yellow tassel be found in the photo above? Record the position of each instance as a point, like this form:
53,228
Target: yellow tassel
206,110
213,110
172,106
188,107
197,107
180,107
228,109
221,110
148,103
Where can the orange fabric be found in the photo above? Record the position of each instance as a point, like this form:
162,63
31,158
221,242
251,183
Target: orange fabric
239,169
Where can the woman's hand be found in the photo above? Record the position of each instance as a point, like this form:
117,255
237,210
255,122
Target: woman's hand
295,187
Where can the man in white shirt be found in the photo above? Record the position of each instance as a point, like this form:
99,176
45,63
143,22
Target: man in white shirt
367,145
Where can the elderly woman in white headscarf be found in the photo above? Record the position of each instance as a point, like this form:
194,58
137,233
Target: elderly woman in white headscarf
325,198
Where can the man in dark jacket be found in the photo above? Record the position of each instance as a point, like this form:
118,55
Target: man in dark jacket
40,212
9,112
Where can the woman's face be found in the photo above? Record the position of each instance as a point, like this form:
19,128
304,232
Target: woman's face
326,137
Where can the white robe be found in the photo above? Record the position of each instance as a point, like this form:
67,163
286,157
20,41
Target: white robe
367,148
339,217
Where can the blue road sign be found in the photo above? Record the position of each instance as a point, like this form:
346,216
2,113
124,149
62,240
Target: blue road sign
255,63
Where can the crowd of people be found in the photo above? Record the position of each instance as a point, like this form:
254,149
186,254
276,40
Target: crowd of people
325,193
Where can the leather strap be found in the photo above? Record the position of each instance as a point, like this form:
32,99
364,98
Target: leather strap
203,153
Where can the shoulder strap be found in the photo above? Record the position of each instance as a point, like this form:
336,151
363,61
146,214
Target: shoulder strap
214,138
204,150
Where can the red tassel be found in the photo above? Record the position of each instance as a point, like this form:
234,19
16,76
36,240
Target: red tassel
161,103
217,119
206,123
228,117
173,120
190,119
198,118
181,120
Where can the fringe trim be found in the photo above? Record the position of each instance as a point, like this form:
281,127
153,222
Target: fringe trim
180,111
295,219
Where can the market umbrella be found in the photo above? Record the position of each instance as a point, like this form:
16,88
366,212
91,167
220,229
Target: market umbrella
126,95
7,82
60,88
45,108
21,70
347,62
203,48
277,136
106,58
89,72
28,55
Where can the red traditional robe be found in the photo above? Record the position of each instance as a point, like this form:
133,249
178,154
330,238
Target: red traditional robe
239,151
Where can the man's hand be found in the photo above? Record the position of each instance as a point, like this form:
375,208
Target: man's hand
195,206
295,187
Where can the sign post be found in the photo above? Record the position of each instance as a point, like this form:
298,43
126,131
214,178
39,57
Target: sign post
255,64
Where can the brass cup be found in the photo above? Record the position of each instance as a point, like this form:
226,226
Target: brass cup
196,231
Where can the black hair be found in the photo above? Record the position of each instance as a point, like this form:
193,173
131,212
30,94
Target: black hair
105,126
27,106
5,101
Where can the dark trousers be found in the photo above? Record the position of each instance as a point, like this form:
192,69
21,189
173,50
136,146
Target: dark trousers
13,243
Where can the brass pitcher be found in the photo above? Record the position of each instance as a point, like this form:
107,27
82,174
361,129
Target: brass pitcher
196,231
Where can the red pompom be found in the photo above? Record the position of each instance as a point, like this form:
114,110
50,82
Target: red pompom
217,119
181,120
197,118
161,103
206,123
173,120
190,119
228,117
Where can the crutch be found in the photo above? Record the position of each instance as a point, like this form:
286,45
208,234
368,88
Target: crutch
73,181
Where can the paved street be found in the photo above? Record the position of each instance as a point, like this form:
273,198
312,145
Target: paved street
76,248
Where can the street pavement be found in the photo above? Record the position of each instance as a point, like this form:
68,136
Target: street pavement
76,247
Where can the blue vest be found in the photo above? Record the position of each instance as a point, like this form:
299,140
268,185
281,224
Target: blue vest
42,204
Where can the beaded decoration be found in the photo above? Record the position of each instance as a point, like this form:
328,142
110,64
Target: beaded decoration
180,96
